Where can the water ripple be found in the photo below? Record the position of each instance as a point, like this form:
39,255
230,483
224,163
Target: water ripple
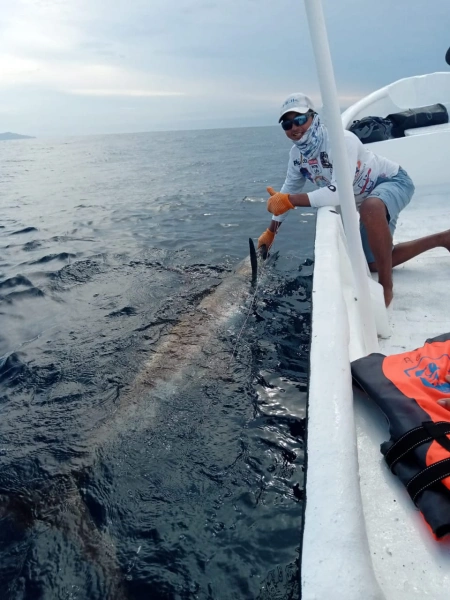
188,488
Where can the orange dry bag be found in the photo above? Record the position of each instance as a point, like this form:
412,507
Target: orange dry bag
406,387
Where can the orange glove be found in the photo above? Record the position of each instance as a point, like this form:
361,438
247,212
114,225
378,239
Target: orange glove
278,203
266,239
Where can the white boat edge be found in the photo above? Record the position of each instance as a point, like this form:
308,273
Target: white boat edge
360,527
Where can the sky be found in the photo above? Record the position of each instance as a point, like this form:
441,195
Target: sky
80,67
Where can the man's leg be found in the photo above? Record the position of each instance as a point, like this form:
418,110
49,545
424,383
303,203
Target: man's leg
374,217
407,250
373,214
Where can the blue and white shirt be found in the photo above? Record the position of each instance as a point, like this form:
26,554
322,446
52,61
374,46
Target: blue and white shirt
366,167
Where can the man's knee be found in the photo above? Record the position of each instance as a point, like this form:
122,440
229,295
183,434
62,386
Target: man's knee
372,208
373,267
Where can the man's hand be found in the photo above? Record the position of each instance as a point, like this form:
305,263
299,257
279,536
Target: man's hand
266,239
445,402
278,203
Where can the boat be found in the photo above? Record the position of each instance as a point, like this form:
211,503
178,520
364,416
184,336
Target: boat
363,538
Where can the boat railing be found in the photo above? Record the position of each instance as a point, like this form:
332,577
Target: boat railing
336,560
366,307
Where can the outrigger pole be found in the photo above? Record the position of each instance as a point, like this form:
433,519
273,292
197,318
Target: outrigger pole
318,33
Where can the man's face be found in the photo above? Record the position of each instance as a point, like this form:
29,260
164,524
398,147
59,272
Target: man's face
297,131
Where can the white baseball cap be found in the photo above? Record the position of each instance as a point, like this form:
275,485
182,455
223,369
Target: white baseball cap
298,103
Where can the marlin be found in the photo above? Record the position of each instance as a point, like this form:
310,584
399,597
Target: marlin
188,350
58,504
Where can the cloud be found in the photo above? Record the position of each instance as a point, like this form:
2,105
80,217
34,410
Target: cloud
196,59
126,93
39,27
79,78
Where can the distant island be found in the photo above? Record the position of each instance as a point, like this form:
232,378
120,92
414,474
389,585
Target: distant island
8,135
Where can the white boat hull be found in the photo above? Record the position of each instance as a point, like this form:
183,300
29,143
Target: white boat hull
363,537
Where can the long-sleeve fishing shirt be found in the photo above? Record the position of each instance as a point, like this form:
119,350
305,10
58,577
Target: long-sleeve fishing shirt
365,167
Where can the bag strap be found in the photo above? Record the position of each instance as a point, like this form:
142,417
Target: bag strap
426,432
428,477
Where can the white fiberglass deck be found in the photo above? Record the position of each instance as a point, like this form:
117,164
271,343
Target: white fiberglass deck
409,564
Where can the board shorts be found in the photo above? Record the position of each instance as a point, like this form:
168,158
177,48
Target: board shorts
396,193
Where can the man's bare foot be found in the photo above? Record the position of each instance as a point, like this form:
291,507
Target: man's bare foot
388,295
446,239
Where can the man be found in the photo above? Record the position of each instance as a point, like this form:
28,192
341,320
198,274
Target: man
381,187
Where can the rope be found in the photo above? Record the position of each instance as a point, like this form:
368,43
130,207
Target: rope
251,303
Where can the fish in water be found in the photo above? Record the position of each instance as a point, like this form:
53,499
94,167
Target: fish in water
188,350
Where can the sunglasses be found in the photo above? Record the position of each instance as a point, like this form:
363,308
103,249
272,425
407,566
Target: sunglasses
299,120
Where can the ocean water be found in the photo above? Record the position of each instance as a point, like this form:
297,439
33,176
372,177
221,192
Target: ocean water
107,244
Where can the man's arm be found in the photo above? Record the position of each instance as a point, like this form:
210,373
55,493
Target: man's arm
274,225
299,199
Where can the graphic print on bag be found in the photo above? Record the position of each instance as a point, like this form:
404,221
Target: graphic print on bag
429,371
421,374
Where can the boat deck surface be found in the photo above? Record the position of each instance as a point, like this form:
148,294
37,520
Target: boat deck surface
408,562
421,307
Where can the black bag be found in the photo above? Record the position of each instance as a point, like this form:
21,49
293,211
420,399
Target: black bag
425,116
372,129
